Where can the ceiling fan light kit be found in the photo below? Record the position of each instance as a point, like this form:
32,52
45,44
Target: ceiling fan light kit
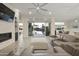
39,8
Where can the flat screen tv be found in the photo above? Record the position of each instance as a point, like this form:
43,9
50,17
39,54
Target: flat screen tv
6,13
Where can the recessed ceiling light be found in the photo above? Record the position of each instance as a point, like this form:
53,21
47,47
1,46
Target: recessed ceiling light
50,13
30,12
76,20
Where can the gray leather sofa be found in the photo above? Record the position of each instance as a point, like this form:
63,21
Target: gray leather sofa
72,44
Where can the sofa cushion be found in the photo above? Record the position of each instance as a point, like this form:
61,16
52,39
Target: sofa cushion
70,38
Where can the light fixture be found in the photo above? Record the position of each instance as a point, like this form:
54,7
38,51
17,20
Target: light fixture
37,8
76,20
50,13
21,24
59,23
30,12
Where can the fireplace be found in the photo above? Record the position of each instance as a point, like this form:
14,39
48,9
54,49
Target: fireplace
5,36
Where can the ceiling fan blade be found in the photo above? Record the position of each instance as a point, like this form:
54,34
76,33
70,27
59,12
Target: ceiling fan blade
43,9
34,4
43,4
31,8
37,4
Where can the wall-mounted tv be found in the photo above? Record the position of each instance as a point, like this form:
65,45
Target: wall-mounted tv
6,13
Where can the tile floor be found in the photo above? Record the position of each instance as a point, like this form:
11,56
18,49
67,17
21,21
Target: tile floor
50,52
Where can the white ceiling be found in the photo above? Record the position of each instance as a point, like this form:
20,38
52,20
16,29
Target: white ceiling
61,11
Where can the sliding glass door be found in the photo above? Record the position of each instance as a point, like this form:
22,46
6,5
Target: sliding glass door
38,29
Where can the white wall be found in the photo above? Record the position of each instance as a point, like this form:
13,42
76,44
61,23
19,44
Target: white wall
6,27
53,26
24,20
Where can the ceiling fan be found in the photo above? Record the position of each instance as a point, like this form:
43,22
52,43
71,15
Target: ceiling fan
39,7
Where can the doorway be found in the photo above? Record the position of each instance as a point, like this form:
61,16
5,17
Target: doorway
39,29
